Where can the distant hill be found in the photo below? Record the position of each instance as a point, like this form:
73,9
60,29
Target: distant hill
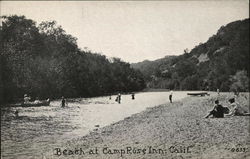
149,67
221,62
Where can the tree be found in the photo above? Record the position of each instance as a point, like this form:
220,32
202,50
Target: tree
240,81
45,62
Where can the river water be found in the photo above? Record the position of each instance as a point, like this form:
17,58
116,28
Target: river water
39,129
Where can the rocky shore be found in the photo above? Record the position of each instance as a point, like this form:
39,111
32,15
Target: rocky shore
171,131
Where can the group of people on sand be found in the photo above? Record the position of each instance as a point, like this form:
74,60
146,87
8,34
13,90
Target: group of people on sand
219,111
234,109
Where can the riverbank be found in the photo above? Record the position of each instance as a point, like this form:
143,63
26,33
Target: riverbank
177,130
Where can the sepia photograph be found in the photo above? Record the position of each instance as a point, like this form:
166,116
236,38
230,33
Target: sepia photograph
113,79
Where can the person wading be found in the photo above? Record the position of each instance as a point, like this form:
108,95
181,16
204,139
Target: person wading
133,96
63,102
118,98
171,96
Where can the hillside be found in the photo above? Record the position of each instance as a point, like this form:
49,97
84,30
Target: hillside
149,67
221,62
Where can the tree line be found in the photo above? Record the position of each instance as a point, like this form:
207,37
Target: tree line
44,61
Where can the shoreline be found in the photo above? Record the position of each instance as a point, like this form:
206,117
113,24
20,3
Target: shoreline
9,105
180,125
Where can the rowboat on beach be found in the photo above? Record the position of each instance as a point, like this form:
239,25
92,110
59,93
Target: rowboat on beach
32,104
198,94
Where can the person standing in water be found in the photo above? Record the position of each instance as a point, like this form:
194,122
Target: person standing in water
170,96
218,92
63,102
119,98
133,96
26,99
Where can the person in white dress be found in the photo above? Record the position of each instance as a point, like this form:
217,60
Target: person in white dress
236,109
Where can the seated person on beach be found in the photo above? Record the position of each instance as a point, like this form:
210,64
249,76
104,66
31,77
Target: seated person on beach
236,110
218,111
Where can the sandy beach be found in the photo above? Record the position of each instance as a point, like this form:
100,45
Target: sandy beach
177,130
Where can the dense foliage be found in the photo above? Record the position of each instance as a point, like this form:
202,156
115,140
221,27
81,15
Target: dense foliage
222,62
44,61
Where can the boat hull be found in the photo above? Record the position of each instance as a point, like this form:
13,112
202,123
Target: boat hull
45,103
198,94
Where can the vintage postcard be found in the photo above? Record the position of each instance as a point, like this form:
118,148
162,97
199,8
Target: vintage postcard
124,79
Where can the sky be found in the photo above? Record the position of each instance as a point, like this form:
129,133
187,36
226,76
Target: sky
134,30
